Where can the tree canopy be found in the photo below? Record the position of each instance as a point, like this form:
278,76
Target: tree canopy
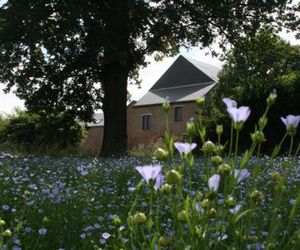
253,69
76,56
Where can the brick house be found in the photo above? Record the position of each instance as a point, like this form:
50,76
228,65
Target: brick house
184,81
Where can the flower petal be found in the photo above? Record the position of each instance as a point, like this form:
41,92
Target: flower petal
213,182
149,171
184,148
229,103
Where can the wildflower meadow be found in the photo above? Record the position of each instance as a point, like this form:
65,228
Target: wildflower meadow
220,199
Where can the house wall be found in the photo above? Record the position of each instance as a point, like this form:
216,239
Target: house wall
93,143
139,138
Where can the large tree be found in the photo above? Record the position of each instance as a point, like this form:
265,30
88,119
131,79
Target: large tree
73,55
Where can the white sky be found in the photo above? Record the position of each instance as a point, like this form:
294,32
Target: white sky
148,75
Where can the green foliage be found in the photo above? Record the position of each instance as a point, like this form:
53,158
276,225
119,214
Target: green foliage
40,132
253,69
71,56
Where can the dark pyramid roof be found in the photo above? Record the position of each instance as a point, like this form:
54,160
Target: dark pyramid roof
186,72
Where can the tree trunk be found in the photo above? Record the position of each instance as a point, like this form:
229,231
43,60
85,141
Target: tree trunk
115,110
115,74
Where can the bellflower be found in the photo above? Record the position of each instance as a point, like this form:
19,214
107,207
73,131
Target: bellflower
213,182
229,103
241,175
184,148
151,172
291,120
240,114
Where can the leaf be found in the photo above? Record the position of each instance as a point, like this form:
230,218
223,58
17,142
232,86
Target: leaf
276,151
245,159
243,214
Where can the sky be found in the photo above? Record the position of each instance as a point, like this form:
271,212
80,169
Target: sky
148,75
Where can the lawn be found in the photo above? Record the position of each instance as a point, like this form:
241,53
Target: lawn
74,203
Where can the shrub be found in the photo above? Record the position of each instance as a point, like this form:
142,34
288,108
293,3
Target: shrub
40,131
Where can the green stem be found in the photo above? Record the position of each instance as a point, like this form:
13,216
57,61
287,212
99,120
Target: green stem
231,139
291,145
236,144
298,149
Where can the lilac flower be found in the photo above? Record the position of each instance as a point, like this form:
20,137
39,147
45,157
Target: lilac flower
230,103
235,210
241,175
159,181
184,148
291,120
149,171
28,229
42,231
213,182
240,114
5,207
105,236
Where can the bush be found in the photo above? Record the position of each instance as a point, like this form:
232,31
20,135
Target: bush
40,132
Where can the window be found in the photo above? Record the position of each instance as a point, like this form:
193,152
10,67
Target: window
178,114
146,122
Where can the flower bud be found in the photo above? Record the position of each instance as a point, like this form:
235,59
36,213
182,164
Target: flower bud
161,154
216,160
173,177
166,188
7,233
164,241
212,213
258,137
230,202
182,215
208,147
139,218
117,221
199,196
276,177
271,99
2,223
224,169
45,219
190,129
166,106
199,101
219,129
256,196
205,203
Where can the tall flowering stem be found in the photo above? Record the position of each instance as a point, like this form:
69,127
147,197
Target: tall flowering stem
291,145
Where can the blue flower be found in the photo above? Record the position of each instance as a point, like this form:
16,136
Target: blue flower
42,231
241,175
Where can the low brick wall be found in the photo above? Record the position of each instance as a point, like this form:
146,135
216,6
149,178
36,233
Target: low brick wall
93,143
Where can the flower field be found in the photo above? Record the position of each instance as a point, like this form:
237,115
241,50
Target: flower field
175,200
70,203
